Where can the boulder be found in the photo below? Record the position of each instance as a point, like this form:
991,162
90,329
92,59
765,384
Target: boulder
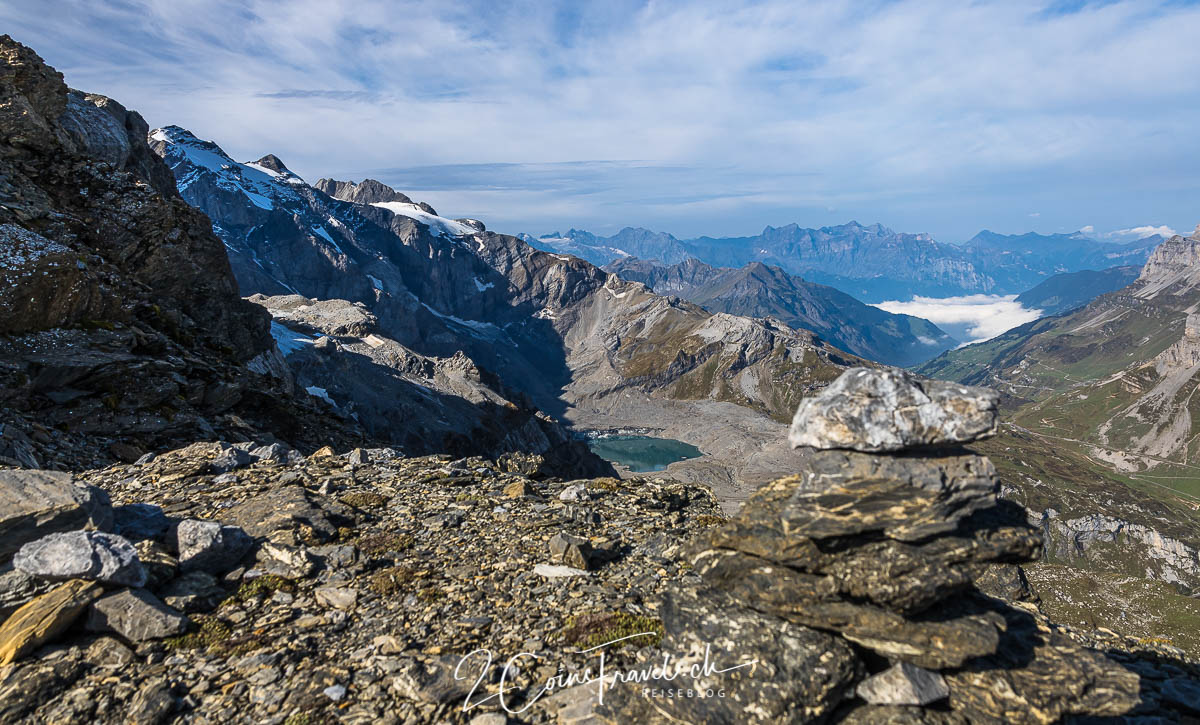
135,614
209,546
106,558
336,597
573,551
36,503
872,410
44,618
903,684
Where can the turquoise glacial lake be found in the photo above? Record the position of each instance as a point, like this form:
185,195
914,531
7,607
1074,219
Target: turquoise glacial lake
642,454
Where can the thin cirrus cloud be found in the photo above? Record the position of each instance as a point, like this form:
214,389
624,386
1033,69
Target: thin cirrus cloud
936,116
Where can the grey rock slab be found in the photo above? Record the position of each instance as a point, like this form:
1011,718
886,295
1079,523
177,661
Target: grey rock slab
431,682
903,684
875,411
135,614
291,562
137,521
275,452
209,546
89,555
36,503
337,597
17,588
575,493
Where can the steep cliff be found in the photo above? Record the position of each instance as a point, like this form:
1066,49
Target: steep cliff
121,328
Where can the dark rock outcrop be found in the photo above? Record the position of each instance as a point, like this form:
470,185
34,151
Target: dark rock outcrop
108,277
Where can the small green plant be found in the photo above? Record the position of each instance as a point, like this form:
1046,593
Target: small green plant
386,582
208,633
214,636
365,500
593,629
430,594
375,544
264,585
610,485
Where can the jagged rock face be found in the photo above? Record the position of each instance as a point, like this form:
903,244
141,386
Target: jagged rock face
422,404
107,277
758,290
890,410
369,191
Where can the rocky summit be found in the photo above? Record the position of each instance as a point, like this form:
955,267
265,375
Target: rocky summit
273,587
354,497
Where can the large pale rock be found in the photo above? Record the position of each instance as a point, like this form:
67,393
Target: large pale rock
135,614
903,684
44,618
209,546
890,410
91,555
36,503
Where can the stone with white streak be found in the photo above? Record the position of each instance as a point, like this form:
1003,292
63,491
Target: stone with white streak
877,411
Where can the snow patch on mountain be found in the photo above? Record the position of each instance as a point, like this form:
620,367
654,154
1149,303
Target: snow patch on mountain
438,224
288,340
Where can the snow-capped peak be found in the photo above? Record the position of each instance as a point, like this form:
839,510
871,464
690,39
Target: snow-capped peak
438,224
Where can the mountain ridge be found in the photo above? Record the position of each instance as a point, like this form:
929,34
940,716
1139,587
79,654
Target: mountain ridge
761,290
872,263
581,343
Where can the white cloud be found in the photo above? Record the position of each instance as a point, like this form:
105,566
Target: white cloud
1144,231
972,318
909,113
1088,229
1035,214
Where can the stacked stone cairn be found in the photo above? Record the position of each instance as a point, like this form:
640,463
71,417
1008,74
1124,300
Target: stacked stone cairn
851,585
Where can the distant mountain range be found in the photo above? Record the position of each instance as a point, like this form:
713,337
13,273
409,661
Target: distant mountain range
760,290
872,263
1069,290
1104,430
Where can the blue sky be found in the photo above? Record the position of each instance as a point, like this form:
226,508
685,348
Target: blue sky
692,118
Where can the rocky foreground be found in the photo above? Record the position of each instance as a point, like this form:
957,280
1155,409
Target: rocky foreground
221,583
